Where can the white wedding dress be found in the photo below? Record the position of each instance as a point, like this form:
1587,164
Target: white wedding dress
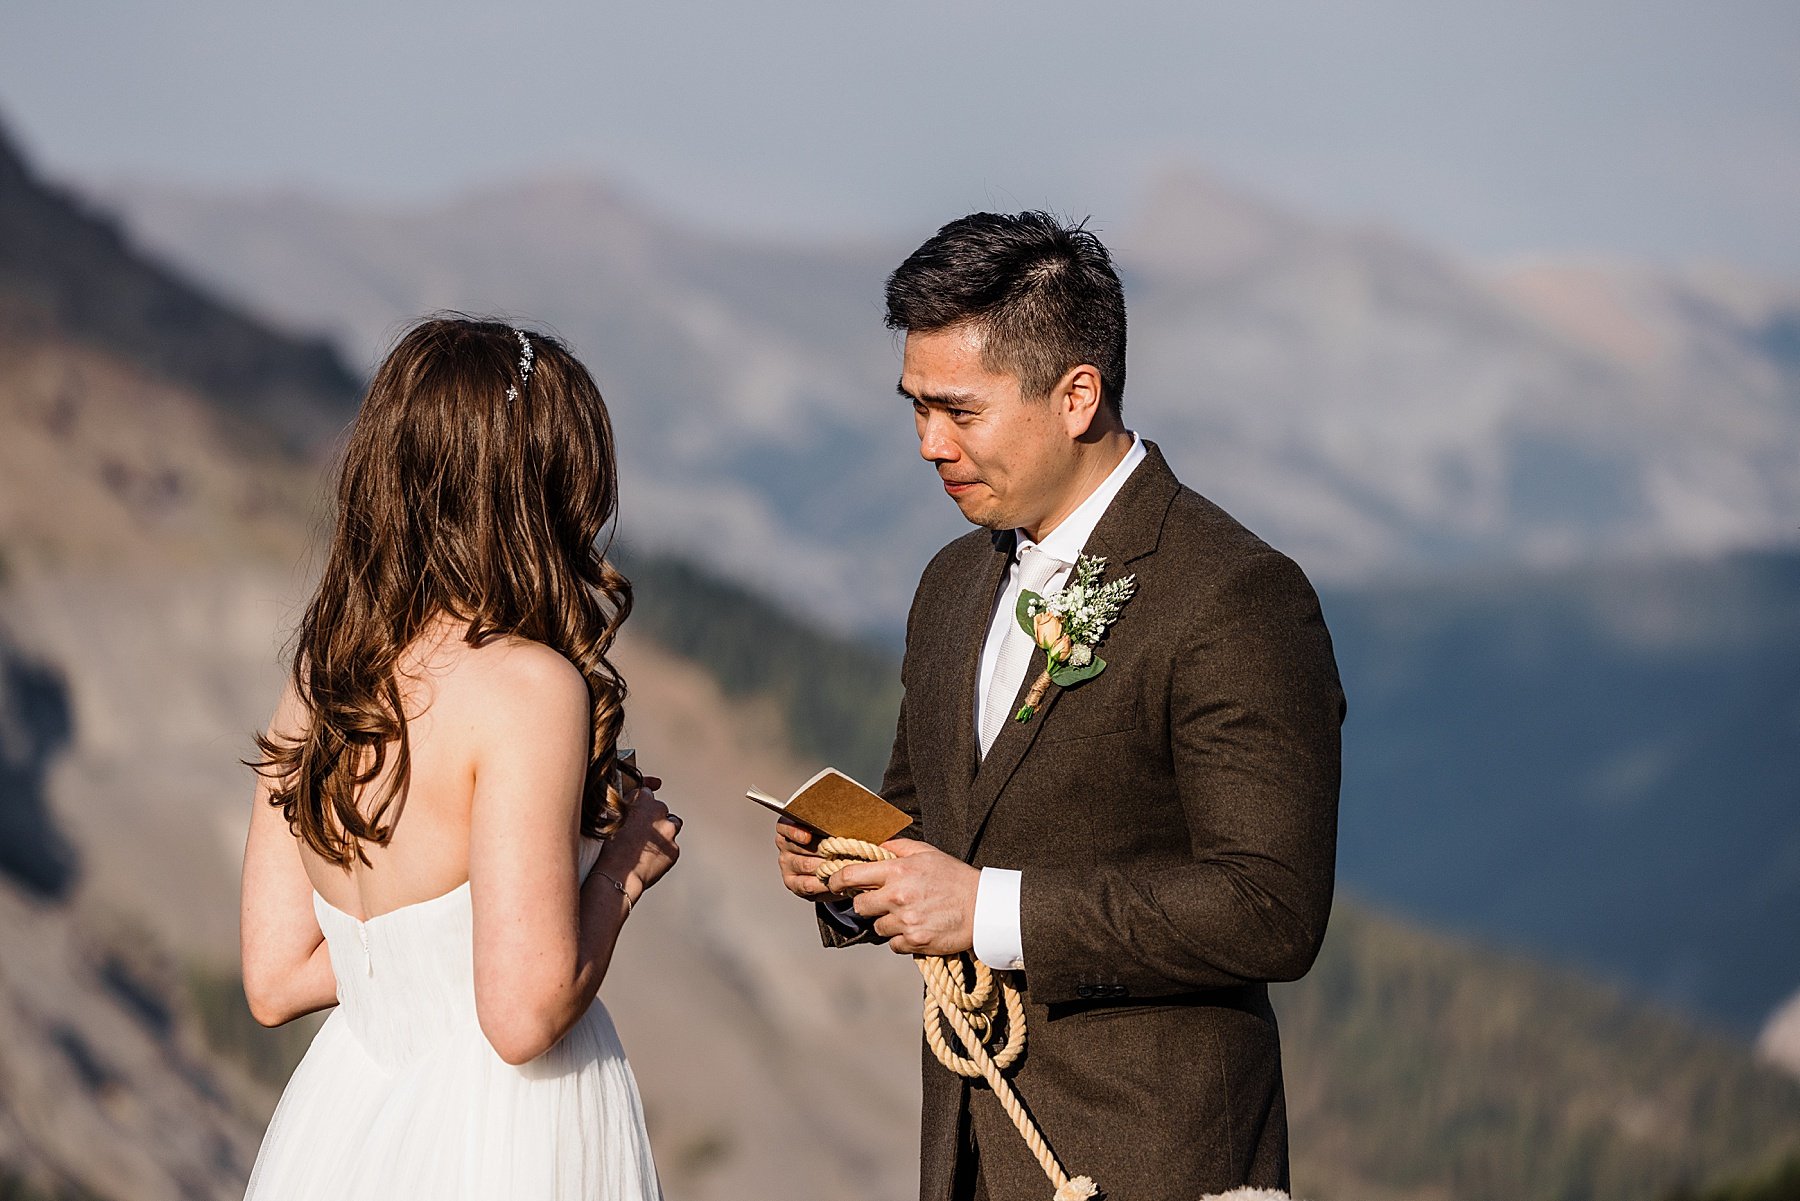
401,1098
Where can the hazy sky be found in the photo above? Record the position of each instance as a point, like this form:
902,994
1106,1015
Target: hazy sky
1667,130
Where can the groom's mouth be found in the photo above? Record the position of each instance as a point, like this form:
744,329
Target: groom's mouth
957,488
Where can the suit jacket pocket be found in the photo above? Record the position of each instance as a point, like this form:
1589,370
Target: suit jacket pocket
1072,720
1111,1010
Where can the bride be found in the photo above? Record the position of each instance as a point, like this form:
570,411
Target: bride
446,840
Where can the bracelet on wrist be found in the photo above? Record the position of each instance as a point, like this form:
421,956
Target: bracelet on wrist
614,881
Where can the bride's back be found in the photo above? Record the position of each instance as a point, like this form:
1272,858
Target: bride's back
443,683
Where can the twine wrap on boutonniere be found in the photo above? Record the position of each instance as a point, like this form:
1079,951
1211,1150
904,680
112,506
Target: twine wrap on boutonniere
1068,624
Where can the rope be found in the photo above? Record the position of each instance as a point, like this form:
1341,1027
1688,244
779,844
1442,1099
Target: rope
967,1009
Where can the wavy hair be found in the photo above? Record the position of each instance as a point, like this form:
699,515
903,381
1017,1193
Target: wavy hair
453,499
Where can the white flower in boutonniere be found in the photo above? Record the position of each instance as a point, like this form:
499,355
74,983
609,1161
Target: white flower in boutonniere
1067,625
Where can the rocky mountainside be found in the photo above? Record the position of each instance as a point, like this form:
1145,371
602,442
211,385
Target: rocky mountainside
135,524
1371,405
107,1090
66,268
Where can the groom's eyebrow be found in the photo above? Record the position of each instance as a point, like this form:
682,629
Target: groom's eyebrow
952,400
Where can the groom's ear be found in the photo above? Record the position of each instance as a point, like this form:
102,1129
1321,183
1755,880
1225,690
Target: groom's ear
1077,399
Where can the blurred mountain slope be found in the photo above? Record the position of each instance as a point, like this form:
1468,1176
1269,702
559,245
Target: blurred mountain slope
106,1089
1368,404
1599,763
749,386
147,533
1424,1066
70,267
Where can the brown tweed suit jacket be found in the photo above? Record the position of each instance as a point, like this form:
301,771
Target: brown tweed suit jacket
1175,819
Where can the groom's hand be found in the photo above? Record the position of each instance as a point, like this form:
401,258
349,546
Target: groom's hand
923,902
799,866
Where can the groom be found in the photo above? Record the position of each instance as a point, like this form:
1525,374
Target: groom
1155,843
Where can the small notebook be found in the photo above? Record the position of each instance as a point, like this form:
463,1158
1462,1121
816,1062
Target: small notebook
834,804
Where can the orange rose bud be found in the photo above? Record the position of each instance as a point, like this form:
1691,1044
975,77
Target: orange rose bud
1047,629
1062,649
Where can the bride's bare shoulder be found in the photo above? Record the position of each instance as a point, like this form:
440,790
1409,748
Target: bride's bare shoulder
520,715
509,679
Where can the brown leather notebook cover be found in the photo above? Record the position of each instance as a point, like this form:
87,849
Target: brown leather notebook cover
834,804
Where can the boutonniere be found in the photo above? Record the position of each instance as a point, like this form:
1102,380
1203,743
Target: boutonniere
1068,624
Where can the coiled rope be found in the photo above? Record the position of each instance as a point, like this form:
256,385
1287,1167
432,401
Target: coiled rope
964,999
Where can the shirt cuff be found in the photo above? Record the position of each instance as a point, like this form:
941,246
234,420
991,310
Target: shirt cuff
998,942
843,915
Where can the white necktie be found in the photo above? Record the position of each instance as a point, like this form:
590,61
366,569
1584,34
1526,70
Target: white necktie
1035,570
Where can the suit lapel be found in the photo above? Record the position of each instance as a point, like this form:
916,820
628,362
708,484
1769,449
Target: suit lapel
1002,759
1129,529
974,610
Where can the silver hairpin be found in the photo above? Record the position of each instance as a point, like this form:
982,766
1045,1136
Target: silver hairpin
527,357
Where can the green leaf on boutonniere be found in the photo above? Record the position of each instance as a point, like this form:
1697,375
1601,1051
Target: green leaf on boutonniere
1022,611
1065,676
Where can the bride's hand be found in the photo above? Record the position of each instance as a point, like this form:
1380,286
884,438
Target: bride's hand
643,849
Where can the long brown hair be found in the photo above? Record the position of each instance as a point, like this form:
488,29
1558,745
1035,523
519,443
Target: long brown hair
454,498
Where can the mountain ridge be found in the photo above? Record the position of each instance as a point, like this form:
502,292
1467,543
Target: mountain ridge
66,264
1367,403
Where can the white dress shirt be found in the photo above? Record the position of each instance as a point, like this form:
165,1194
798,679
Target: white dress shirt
998,941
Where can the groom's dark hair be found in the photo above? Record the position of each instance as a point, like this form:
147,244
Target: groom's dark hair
1043,294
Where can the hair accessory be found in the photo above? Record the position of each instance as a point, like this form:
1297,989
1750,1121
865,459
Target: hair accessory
527,357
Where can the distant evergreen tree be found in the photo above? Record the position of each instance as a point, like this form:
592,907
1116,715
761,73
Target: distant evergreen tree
1778,1182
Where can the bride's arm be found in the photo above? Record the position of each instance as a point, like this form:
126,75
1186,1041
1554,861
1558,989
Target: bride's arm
286,968
542,940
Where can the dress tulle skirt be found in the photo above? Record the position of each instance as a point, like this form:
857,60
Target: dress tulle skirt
400,1097
460,1124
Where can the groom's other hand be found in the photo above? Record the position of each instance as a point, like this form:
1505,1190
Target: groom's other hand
923,902
799,866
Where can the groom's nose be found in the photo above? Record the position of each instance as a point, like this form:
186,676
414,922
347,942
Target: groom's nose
936,443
